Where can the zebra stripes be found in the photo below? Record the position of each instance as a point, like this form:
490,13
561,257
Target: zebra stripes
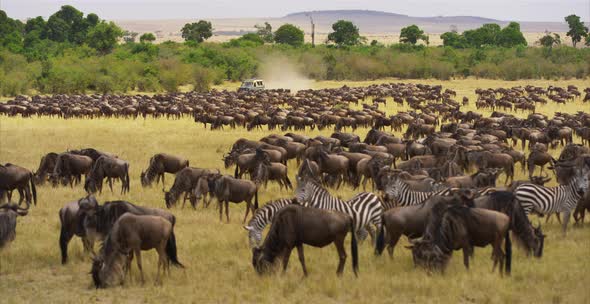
364,208
263,217
401,195
545,200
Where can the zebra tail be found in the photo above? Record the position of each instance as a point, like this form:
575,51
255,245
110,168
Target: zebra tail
508,248
354,250
288,181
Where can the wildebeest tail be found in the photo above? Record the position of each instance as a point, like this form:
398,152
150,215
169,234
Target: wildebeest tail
127,177
63,243
288,182
256,200
171,251
236,171
354,250
508,248
380,243
33,188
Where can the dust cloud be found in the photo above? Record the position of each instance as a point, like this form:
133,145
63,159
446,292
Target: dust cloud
280,73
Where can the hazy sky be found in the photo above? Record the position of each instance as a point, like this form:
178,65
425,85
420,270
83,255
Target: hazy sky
520,10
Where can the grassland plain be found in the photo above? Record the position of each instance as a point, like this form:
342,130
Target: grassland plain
217,256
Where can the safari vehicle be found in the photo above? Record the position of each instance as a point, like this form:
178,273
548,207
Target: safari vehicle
252,85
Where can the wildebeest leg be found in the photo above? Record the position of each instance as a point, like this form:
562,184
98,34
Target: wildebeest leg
248,206
127,270
301,258
341,255
227,210
138,254
286,256
393,239
466,254
64,238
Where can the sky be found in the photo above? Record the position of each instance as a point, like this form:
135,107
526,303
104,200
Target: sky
518,10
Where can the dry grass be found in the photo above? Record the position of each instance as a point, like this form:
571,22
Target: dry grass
217,255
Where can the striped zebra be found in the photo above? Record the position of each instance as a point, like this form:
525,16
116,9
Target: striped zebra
545,200
400,194
365,208
263,217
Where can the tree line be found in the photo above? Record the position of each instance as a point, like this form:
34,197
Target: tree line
71,52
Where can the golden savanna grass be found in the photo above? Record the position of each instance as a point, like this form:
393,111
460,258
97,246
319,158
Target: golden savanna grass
217,256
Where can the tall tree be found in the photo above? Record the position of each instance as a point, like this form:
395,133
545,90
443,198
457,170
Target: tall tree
289,34
577,29
197,31
411,34
265,32
104,36
345,33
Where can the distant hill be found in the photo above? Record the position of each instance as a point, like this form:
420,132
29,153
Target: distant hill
383,22
381,26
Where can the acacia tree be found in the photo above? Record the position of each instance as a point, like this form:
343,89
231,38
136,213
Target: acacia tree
345,34
411,34
265,32
289,34
147,37
197,31
577,29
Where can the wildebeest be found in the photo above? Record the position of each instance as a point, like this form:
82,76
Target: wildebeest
72,223
70,167
531,238
184,182
111,168
46,167
229,189
452,227
295,225
160,164
16,177
130,235
8,214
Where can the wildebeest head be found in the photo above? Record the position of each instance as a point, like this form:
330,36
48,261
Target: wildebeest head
97,266
540,180
428,255
15,208
144,180
260,262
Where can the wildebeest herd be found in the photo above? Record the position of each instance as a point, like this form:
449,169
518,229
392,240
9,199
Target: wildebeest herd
435,183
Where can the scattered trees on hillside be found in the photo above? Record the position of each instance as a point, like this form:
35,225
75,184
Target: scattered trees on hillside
411,34
345,34
197,31
577,29
289,34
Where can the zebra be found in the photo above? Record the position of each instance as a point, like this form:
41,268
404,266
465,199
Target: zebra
365,208
545,200
401,195
263,217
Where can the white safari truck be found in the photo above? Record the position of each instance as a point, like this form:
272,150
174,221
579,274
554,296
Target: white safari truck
252,85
